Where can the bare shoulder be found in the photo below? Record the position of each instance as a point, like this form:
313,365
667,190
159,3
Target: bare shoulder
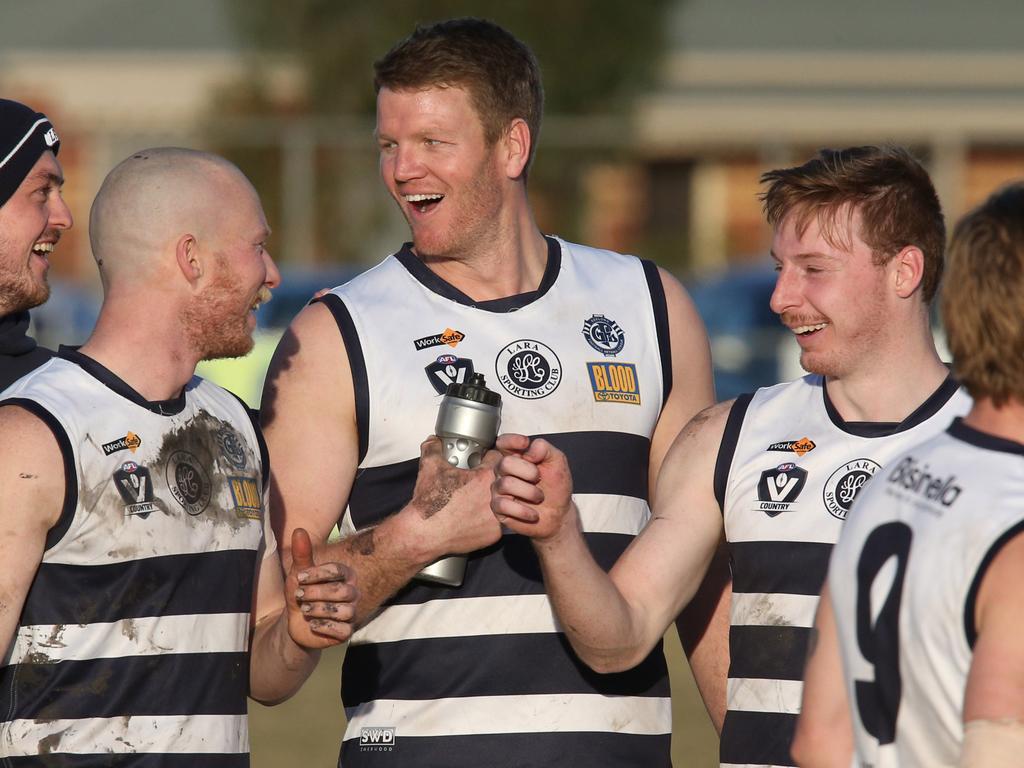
31,464
310,360
678,300
706,429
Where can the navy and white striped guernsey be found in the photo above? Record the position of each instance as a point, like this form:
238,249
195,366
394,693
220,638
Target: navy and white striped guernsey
915,553
482,674
788,469
132,647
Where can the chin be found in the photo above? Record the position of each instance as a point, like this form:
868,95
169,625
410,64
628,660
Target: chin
229,348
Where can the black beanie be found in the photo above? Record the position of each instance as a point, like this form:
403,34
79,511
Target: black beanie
24,136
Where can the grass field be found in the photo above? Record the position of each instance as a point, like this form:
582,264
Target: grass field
306,731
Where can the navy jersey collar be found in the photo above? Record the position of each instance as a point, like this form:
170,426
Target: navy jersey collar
921,414
429,279
118,385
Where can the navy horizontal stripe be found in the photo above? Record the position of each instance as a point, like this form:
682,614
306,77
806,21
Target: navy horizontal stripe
509,567
516,750
438,668
107,760
757,738
769,652
169,684
208,582
601,462
786,567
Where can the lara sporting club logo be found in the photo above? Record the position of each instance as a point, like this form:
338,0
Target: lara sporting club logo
799,447
129,442
778,488
189,482
845,483
448,336
448,369
604,335
376,739
528,369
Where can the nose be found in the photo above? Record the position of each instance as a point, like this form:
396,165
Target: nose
407,164
273,278
786,293
60,214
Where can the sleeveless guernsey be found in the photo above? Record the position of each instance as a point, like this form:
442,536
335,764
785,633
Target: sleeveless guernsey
132,646
903,582
481,674
787,472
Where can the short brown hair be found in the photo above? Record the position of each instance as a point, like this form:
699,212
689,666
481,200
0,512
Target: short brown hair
499,72
981,298
887,186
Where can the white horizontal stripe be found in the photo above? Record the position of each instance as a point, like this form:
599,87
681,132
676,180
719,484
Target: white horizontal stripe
610,513
751,694
514,714
152,635
460,617
773,609
207,734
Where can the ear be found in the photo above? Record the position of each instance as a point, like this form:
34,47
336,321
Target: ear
908,266
186,252
517,143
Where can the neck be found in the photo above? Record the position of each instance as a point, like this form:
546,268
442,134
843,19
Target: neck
134,344
1005,421
510,260
890,387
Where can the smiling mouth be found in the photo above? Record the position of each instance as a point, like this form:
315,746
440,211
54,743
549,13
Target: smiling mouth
43,250
805,330
261,298
423,203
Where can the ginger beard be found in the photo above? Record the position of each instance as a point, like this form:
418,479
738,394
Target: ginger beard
220,322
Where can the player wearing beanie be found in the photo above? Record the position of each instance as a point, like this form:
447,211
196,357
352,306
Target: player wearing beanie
32,217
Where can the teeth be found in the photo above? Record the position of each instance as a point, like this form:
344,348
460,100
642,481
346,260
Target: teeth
43,247
261,298
800,329
421,198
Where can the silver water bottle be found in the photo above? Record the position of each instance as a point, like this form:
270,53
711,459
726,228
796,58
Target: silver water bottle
467,423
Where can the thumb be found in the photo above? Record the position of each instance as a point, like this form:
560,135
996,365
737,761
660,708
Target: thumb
302,550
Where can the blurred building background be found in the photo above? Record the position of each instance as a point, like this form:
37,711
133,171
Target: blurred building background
661,116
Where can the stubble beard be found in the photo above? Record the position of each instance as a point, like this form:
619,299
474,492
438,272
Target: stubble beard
19,288
470,224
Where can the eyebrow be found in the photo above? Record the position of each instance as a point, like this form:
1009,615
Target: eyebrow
48,176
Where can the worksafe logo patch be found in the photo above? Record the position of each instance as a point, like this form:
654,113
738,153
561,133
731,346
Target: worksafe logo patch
799,447
449,336
374,739
129,442
614,382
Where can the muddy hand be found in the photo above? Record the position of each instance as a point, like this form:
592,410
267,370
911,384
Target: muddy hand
321,598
